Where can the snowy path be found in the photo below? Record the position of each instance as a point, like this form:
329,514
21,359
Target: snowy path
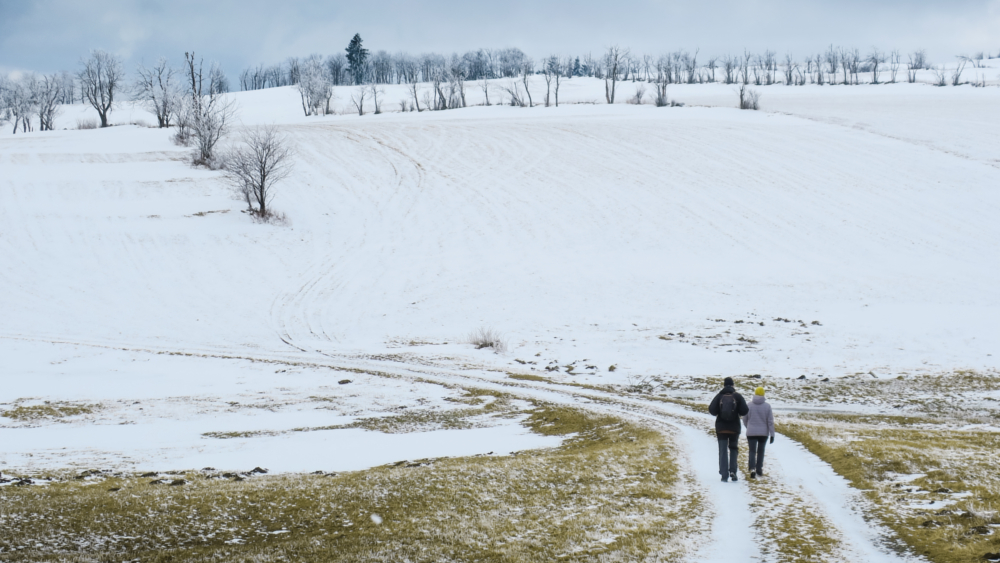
731,532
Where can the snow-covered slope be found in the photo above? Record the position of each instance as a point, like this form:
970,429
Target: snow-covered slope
583,232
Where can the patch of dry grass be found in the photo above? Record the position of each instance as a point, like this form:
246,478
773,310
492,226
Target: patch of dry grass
610,493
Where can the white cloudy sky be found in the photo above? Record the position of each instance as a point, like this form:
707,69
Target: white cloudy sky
50,35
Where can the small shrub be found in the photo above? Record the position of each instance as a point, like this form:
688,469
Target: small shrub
271,218
86,124
640,92
486,337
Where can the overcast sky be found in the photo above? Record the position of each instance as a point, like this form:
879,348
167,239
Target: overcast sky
51,35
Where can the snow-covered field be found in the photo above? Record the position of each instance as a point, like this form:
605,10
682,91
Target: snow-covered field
842,230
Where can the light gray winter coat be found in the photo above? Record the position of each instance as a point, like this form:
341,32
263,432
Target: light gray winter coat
760,420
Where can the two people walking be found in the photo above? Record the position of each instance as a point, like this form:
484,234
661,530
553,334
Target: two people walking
729,409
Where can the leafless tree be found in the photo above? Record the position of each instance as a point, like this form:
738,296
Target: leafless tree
100,81
832,59
613,60
894,59
263,160
526,71
749,99
875,59
206,116
414,92
46,92
314,86
713,63
20,103
513,89
956,75
377,94
729,68
156,88
918,59
790,66
551,70
358,98
484,84
745,67
911,71
941,78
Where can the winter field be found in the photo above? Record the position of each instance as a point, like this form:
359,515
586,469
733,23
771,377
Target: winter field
181,383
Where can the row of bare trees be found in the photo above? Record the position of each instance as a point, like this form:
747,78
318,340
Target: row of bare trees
31,97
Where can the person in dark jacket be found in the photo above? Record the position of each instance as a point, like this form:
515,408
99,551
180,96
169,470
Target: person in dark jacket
728,407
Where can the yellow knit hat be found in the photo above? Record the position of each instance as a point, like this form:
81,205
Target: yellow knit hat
759,391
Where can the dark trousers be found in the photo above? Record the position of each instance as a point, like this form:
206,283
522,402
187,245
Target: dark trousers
729,450
757,444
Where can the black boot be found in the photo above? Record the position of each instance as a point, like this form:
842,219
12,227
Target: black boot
753,474
732,475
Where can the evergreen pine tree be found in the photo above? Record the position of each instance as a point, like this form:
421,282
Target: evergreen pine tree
356,58
576,67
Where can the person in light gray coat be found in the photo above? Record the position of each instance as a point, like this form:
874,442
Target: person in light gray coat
759,421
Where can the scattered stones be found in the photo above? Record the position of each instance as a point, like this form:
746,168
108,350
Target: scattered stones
825,379
979,531
801,377
178,482
150,474
258,470
158,482
930,524
943,490
816,323
344,381
114,489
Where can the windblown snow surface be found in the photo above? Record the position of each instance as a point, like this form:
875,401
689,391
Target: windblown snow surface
582,233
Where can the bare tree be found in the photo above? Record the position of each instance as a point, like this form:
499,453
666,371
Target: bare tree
894,59
358,98
551,70
314,86
749,99
790,66
613,60
253,169
413,92
729,68
956,75
526,71
918,59
20,102
156,88
941,79
206,116
100,81
484,84
660,99
46,92
377,92
911,70
875,58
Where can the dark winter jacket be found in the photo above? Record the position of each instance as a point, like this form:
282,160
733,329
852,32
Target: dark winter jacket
721,426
